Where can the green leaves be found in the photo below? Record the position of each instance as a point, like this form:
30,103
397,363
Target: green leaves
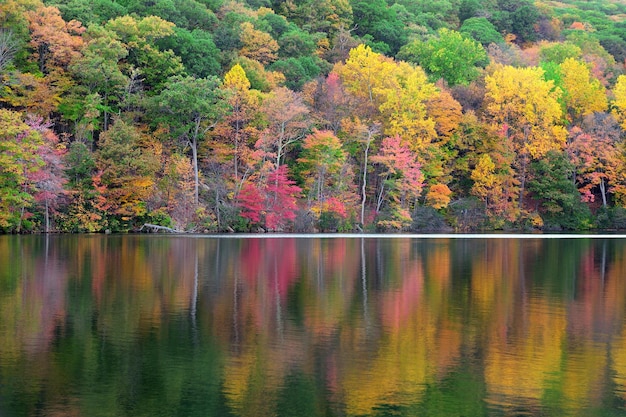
450,56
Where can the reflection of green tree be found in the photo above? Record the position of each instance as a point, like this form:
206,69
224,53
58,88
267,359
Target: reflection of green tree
299,397
459,393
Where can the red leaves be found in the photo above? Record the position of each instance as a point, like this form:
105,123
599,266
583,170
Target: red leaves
250,202
272,204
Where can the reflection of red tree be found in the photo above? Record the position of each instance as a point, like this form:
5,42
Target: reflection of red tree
270,261
44,290
398,305
588,312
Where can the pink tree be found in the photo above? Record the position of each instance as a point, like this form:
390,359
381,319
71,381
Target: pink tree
597,158
48,181
401,180
272,204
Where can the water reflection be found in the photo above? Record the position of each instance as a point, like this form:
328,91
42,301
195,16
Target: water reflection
148,325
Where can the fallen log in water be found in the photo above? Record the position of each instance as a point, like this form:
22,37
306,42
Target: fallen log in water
156,228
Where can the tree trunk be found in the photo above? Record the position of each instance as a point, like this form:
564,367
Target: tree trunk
194,150
47,217
364,184
603,191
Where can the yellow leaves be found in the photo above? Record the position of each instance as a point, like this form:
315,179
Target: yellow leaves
620,100
438,196
397,91
236,79
520,101
446,112
483,176
584,94
257,45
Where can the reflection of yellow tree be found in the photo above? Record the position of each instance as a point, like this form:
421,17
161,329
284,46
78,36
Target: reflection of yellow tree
525,365
421,342
615,303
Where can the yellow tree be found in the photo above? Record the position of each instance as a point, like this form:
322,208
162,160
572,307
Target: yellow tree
620,100
242,102
367,76
526,108
583,93
404,107
257,45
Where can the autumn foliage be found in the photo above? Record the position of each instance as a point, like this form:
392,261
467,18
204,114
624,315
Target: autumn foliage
222,116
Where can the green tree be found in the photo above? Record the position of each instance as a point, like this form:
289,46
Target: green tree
189,107
139,36
322,161
196,50
99,69
482,30
551,184
127,162
559,52
18,158
451,56
377,19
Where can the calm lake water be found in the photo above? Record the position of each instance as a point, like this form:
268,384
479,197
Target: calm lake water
194,326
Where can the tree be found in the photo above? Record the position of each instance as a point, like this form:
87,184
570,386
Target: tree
401,180
196,50
48,181
56,42
19,160
595,154
322,161
243,105
127,163
377,19
8,48
559,52
288,122
273,204
86,208
139,36
282,196
485,179
257,45
404,107
394,94
481,30
451,56
446,112
190,106
583,93
297,71
366,75
526,108
438,196
178,187
99,69
620,100
551,184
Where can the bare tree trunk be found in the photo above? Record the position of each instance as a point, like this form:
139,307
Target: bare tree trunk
364,185
603,191
47,217
193,143
381,194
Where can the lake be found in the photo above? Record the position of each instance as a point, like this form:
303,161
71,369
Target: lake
157,325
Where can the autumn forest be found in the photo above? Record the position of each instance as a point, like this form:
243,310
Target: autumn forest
304,115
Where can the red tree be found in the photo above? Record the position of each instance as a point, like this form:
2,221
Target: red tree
272,204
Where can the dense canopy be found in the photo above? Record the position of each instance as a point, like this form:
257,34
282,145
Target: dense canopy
335,115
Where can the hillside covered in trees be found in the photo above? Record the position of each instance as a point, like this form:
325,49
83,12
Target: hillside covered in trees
303,115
